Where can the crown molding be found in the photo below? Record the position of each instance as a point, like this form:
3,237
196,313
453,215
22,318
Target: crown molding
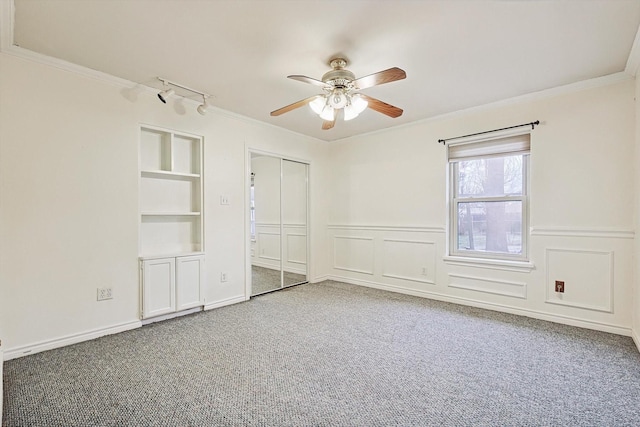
6,24
633,62
580,86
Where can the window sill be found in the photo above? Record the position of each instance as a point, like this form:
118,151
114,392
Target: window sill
496,264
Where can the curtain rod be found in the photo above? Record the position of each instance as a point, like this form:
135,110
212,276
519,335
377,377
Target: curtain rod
532,124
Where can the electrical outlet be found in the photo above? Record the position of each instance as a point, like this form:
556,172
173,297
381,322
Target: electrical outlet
223,277
424,271
224,200
559,286
104,294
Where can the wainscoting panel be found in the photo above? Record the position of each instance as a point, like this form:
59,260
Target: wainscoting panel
353,254
587,277
269,246
412,260
396,257
296,247
489,285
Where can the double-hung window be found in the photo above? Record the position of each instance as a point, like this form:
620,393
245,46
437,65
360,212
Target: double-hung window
489,198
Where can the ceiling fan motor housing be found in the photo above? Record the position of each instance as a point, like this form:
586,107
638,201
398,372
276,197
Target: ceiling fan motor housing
339,77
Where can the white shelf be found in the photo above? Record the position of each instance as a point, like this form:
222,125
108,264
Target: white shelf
167,174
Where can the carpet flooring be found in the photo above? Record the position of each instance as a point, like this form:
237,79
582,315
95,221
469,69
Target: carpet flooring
333,354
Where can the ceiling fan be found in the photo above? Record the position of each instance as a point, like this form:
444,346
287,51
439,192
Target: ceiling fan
341,88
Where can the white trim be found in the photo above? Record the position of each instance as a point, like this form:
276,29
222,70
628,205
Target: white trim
168,316
225,302
411,279
522,286
7,16
66,340
633,61
556,318
428,229
601,232
636,338
494,264
319,279
548,300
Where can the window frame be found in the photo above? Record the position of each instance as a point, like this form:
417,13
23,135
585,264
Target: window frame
453,203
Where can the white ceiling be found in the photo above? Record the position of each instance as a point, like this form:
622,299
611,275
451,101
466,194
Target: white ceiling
457,54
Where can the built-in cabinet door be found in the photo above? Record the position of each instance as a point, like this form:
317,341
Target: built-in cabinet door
189,280
159,286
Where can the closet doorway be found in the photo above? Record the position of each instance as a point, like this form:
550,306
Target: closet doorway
278,223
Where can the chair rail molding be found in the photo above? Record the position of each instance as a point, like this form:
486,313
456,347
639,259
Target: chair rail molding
600,232
371,227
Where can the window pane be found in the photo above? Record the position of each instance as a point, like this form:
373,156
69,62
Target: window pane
490,177
490,227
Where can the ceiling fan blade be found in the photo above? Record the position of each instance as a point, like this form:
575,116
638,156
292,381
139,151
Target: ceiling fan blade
382,77
305,79
294,106
328,124
382,107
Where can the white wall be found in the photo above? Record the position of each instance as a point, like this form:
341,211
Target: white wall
388,213
69,200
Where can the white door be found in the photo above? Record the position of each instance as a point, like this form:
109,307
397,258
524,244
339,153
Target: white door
189,281
158,287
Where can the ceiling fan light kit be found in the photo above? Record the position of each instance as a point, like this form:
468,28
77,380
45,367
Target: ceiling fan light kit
169,91
341,94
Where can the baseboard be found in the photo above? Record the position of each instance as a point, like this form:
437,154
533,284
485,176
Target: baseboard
556,318
38,347
636,338
224,302
319,279
171,315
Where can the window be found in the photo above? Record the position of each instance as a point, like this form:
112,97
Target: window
489,198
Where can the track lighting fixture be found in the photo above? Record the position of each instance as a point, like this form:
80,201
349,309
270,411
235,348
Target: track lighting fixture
202,108
168,91
165,94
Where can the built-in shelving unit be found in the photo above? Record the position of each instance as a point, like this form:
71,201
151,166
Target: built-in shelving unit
170,192
171,220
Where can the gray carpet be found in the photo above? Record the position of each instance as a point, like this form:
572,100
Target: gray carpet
333,354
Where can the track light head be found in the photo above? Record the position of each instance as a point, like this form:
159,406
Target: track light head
202,108
165,94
